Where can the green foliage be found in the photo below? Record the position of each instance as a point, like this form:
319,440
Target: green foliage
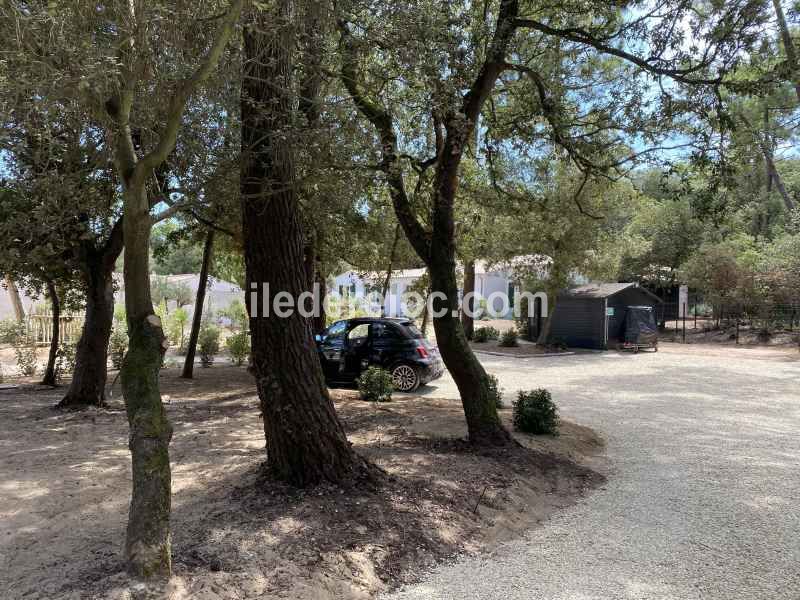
535,412
26,359
485,334
175,325
375,385
11,331
118,345
208,344
238,346
495,391
509,339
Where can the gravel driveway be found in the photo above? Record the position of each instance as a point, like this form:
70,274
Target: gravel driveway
702,501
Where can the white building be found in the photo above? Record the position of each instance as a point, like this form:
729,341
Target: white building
493,284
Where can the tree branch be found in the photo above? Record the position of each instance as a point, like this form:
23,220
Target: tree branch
177,105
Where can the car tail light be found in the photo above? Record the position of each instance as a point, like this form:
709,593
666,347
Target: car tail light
422,351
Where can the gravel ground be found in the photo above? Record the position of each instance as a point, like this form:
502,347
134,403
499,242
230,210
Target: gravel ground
702,497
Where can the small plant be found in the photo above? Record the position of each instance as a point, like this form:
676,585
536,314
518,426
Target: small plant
375,385
239,347
485,334
535,412
118,346
509,339
176,328
495,391
26,359
208,345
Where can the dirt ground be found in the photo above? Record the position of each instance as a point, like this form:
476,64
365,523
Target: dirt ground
65,486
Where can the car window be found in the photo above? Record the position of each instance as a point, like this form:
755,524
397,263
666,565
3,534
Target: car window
385,332
336,330
415,333
358,334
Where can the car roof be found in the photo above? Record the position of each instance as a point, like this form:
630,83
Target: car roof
395,320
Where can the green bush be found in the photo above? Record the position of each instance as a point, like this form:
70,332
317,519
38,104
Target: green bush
239,347
26,360
375,384
495,391
485,334
208,344
535,412
509,339
11,331
118,345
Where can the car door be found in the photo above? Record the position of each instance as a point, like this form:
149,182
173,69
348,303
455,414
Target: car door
356,350
331,350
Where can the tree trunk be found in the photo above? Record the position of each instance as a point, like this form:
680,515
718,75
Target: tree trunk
544,334
306,443
91,355
788,46
389,268
467,320
147,544
197,317
16,302
480,408
320,321
50,376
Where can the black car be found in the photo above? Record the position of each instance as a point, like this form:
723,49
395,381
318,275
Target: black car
348,347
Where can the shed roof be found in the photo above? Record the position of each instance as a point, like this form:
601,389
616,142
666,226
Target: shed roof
605,290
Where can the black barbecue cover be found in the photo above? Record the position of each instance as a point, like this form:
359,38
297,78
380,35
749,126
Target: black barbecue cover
640,325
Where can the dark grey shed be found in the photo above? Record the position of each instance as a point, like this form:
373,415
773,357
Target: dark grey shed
593,315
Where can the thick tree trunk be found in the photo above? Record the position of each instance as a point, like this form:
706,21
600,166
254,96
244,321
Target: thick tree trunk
16,302
91,355
467,321
197,318
50,377
147,544
306,443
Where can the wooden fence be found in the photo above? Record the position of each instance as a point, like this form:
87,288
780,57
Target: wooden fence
40,328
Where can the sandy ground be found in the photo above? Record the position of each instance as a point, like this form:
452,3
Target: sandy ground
65,486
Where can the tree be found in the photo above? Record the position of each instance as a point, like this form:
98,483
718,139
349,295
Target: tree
202,285
554,66
104,63
306,443
16,302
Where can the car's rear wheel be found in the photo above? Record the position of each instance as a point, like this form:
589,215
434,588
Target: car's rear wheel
405,378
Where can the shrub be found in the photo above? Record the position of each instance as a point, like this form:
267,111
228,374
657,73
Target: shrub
495,391
239,347
208,344
535,412
26,360
11,331
509,339
484,334
375,384
118,346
